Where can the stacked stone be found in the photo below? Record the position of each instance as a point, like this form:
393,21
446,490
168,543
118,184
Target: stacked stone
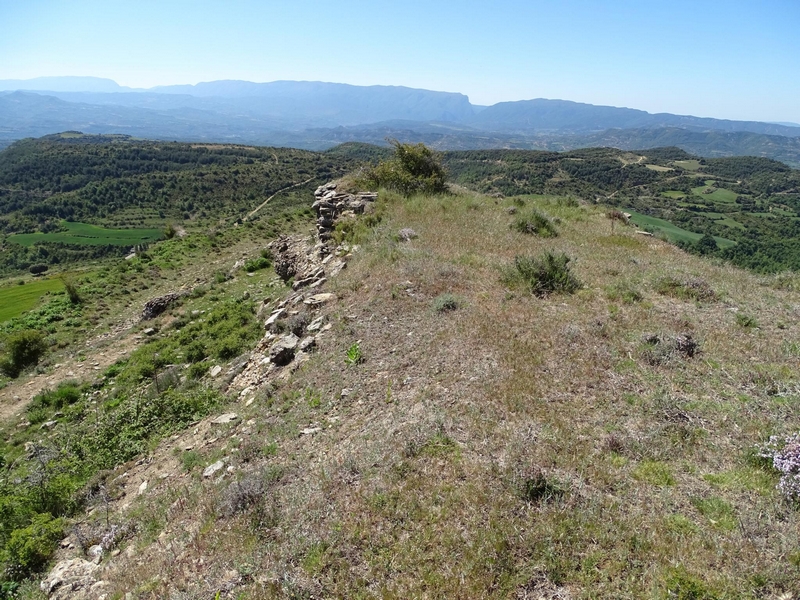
330,205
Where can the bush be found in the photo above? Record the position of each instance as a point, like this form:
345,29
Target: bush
38,269
415,169
72,292
257,264
65,394
23,349
535,223
547,274
29,549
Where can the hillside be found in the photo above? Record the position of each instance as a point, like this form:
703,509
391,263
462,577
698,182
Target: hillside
122,182
433,420
444,432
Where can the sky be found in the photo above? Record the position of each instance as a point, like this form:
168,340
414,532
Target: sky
732,59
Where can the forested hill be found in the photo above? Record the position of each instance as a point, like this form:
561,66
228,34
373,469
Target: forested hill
748,207
121,181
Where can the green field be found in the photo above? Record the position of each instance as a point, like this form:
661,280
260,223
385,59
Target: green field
674,194
659,168
689,165
85,234
16,299
672,232
718,195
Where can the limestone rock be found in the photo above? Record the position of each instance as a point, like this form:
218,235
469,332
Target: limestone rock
211,470
282,351
224,419
306,344
319,299
69,578
158,305
406,234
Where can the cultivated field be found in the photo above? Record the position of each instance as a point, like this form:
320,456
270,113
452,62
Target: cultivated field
83,233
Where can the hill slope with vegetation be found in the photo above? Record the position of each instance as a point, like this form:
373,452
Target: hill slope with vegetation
507,393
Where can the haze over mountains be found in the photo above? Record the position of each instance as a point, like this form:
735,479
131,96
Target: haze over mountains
316,115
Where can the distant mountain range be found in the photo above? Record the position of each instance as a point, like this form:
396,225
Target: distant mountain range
317,115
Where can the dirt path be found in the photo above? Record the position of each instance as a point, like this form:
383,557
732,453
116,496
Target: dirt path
260,206
16,396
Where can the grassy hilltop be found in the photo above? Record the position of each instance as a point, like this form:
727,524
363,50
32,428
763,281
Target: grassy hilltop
523,397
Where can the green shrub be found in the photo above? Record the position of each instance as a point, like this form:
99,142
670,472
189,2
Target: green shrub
445,303
28,549
23,349
38,269
415,169
65,394
72,291
197,370
535,223
256,264
195,352
549,273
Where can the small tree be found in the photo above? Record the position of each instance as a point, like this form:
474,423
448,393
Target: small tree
23,349
415,169
706,244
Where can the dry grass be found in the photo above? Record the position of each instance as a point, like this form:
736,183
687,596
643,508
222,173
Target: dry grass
640,470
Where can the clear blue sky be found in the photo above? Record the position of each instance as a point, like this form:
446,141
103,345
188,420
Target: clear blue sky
729,59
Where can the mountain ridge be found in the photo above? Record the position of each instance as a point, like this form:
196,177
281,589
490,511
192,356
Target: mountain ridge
309,114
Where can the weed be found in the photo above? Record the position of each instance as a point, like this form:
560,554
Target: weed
719,512
534,486
784,454
243,494
662,349
547,274
683,586
654,473
624,292
445,303
689,289
535,223
354,356
746,321
191,459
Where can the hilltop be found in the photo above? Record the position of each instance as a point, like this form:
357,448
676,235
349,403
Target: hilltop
409,406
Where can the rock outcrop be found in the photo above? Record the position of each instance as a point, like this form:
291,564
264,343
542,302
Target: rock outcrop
74,578
331,205
158,305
